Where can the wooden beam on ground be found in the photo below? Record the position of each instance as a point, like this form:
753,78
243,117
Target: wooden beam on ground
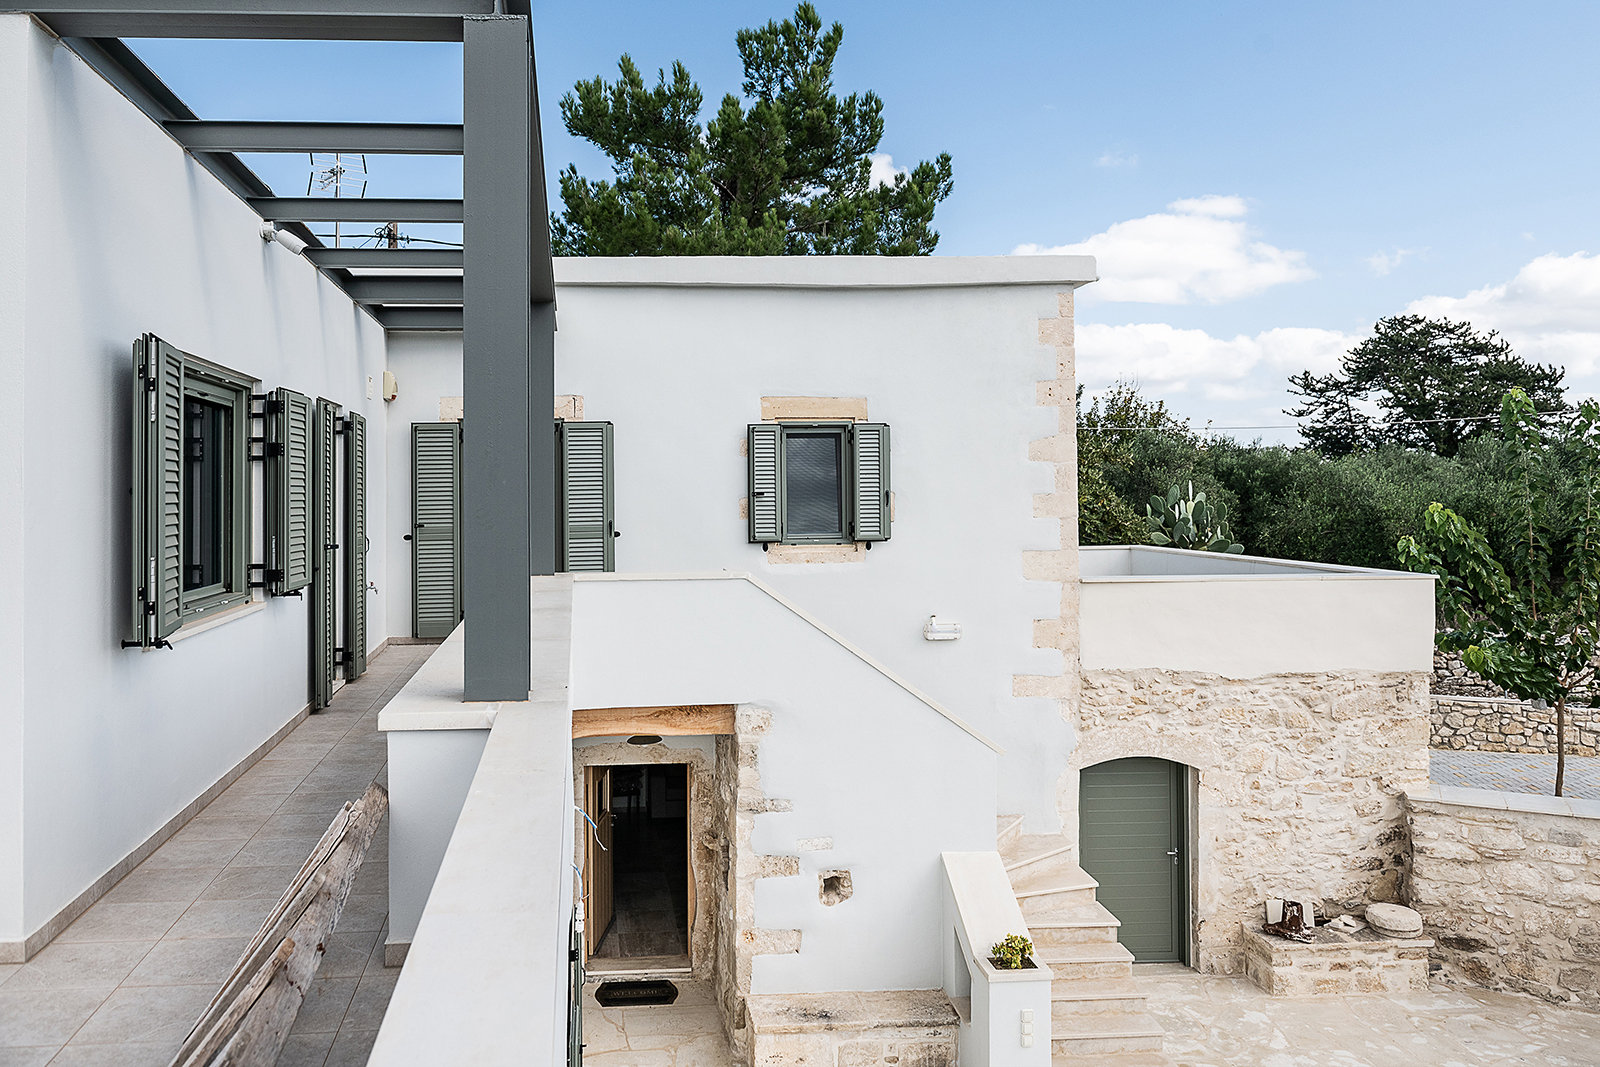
665,721
248,1021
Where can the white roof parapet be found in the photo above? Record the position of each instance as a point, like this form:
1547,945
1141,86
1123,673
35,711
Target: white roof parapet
825,272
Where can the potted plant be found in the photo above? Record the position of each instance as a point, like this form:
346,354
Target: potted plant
1013,953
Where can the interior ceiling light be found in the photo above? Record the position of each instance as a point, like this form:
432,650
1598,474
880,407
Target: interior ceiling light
644,739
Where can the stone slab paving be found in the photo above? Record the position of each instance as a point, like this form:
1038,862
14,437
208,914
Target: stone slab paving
685,1033
124,983
1515,772
1227,1022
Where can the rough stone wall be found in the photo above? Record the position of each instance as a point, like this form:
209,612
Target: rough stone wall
1499,724
1512,898
1452,678
1300,784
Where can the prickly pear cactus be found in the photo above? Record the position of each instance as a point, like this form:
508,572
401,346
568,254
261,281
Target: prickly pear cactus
1190,522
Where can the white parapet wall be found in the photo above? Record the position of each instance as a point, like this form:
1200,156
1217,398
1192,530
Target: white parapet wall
487,974
1245,616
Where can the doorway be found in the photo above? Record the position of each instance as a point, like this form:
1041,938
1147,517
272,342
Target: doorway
637,882
1133,840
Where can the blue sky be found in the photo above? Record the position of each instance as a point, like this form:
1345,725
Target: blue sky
1259,181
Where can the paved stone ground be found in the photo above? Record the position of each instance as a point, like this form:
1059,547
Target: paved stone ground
1227,1022
124,983
1515,772
685,1033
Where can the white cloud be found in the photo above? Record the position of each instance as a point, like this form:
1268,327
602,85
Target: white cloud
1382,263
1198,250
1116,157
884,172
1167,361
1550,311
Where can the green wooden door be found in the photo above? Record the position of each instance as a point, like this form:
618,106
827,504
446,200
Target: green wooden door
324,543
435,528
1132,840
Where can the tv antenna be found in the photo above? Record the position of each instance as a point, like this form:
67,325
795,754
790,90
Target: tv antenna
337,175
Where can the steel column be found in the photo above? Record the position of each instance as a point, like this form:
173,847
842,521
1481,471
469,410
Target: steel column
497,339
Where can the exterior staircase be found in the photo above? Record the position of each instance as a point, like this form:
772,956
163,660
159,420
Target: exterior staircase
1097,1014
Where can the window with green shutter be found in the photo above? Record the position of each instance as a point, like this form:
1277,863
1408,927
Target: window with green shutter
356,545
818,482
587,535
190,505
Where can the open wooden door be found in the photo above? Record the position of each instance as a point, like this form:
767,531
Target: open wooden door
597,865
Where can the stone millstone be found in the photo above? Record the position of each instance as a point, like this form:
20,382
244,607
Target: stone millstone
1392,920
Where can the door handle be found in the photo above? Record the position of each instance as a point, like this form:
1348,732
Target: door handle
1174,854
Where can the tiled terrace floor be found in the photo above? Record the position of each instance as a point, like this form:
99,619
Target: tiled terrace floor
1227,1022
123,984
1516,772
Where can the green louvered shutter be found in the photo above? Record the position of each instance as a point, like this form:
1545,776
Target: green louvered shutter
323,551
355,547
586,500
870,452
289,428
143,505
766,482
165,489
436,528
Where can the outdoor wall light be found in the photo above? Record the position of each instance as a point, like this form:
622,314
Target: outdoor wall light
934,630
644,739
271,232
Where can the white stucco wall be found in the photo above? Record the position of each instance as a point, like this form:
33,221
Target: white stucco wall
1253,625
123,233
680,369
14,72
856,758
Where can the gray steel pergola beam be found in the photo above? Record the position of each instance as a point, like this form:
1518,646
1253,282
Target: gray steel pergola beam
406,258
399,138
401,290
341,20
413,318
355,209
506,466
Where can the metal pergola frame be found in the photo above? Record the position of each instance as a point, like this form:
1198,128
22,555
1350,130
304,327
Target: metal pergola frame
504,299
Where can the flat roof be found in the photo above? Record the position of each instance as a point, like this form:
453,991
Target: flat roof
825,272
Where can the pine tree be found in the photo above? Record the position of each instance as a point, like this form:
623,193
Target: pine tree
787,170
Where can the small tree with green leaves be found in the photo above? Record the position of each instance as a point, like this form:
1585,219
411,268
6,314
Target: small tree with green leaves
1528,620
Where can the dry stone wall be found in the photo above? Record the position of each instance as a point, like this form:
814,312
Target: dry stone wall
1500,724
1300,782
1510,893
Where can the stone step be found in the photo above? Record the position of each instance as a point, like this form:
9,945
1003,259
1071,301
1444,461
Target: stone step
1108,1033
1072,997
1054,903
1054,875
1077,962
1088,924
1051,850
1007,829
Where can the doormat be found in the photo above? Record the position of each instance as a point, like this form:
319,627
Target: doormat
635,994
